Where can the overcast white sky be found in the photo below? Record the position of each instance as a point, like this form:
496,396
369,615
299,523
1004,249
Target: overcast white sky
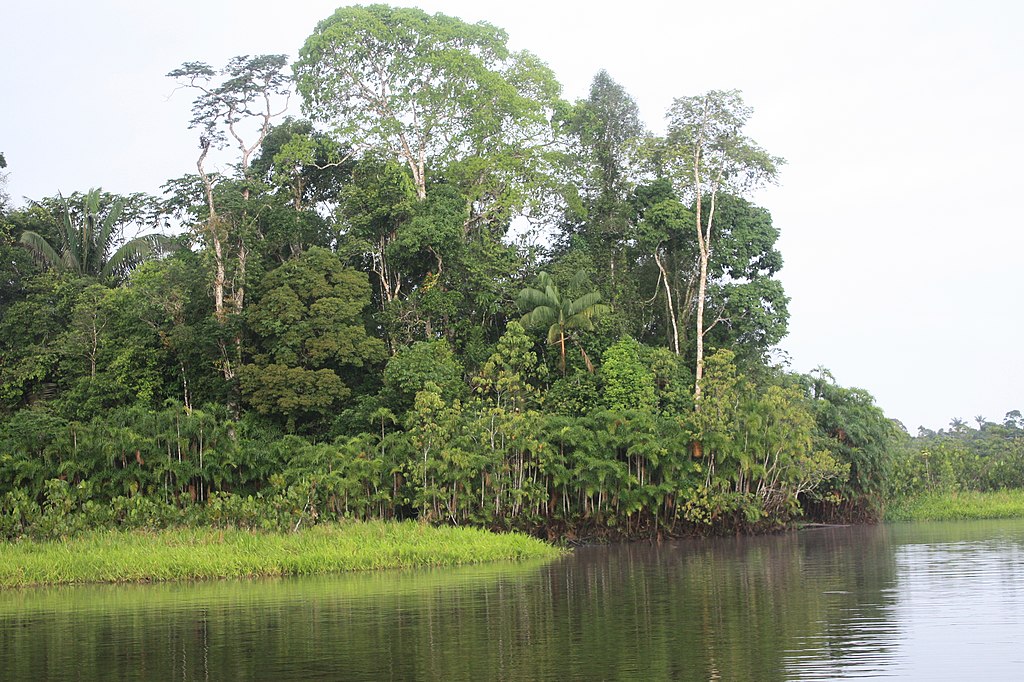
900,123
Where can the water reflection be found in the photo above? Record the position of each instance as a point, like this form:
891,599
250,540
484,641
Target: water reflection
963,599
921,601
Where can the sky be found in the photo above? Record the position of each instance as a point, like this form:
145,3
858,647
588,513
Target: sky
898,120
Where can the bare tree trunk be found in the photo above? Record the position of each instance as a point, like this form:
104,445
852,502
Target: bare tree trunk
219,276
185,394
701,291
212,232
417,162
421,179
390,284
704,239
704,246
562,341
238,281
668,296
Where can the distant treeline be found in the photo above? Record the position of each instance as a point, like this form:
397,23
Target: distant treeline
984,458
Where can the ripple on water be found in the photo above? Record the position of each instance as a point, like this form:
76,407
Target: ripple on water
955,611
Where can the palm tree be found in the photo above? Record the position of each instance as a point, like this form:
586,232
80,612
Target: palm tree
557,314
89,247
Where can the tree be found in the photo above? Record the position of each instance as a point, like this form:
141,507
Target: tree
250,88
512,372
748,304
110,356
170,298
376,204
310,338
606,127
16,263
304,163
548,308
427,89
706,155
91,240
420,364
663,222
628,383
30,331
248,91
297,177
717,423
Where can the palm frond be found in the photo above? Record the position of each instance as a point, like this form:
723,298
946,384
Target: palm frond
559,315
580,321
586,360
108,228
137,251
72,237
42,252
583,302
554,333
92,254
87,237
70,262
584,319
530,297
542,315
87,254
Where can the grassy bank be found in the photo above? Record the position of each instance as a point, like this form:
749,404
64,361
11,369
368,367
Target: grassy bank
195,554
956,506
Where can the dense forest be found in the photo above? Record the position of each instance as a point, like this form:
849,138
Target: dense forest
429,287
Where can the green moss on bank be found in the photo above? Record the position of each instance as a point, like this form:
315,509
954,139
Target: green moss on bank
196,554
955,506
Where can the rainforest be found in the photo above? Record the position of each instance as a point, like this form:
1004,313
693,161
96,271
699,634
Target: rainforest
420,285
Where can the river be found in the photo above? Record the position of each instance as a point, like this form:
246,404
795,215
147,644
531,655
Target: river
914,601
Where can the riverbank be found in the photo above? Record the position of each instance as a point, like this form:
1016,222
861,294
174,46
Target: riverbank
959,506
203,553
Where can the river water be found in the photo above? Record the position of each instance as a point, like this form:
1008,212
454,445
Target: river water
914,601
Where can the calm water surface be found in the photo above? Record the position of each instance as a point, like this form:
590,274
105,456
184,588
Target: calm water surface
916,601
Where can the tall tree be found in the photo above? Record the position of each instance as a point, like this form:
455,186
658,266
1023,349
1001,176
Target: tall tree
606,127
376,204
248,90
307,165
707,154
428,89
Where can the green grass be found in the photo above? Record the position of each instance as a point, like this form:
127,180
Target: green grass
196,554
956,506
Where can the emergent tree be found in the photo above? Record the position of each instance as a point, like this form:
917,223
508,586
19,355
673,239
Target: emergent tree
707,154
